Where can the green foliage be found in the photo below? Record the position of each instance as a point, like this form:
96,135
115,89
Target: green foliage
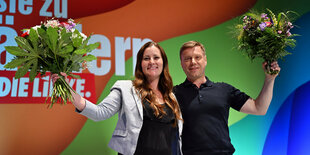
52,49
266,36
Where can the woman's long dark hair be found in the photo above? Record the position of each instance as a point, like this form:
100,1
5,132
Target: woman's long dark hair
165,84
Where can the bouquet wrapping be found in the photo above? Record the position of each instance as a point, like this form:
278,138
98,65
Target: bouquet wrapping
262,35
52,47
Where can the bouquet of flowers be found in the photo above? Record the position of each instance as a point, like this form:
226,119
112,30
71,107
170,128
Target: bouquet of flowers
266,36
52,47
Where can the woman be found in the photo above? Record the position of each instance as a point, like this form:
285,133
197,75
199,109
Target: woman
149,119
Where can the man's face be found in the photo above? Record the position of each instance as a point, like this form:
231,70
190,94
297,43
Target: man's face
194,62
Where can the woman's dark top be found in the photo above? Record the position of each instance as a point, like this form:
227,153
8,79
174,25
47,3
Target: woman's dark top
157,133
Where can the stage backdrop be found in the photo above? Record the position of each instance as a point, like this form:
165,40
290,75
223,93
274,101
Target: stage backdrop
122,27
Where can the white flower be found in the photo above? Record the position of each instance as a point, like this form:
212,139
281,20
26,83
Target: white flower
83,35
72,30
36,27
52,23
74,35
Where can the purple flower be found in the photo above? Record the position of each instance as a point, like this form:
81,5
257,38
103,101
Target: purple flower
66,25
262,26
72,24
263,15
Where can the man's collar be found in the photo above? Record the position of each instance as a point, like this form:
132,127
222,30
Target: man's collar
208,83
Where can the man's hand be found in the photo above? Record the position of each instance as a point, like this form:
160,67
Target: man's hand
274,66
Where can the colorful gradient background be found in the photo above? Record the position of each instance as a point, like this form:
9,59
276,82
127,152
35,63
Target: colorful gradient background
33,129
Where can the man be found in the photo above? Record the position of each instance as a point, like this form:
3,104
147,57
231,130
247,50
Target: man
205,105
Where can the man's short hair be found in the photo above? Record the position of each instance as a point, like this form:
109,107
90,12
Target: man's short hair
191,44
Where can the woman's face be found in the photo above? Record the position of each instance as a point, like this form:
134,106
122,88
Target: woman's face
152,63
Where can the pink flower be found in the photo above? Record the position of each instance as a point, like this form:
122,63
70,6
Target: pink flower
289,24
65,25
288,34
68,25
279,31
268,24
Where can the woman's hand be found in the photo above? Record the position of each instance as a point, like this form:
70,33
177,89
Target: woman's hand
78,101
55,77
